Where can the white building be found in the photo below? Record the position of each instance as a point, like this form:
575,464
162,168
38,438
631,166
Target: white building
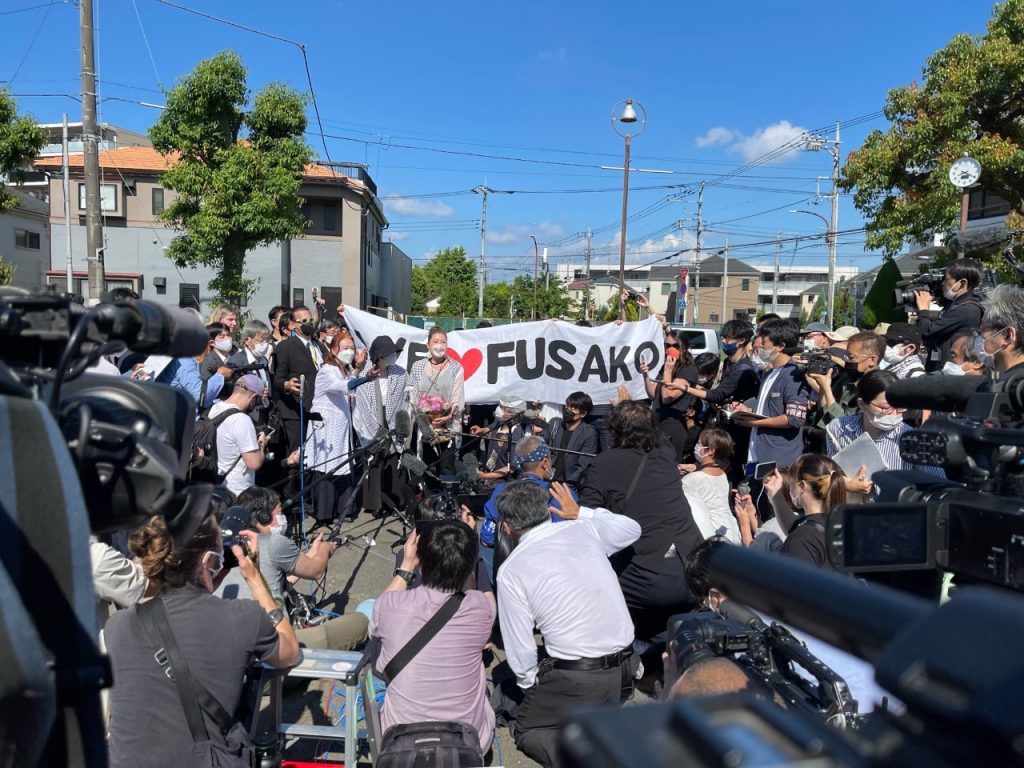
794,282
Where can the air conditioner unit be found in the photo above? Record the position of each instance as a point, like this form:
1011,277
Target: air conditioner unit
160,282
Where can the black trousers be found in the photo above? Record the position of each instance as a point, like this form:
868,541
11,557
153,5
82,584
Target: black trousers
334,495
557,692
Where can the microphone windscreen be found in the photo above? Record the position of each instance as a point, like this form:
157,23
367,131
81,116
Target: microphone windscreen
933,392
980,239
403,423
426,430
414,464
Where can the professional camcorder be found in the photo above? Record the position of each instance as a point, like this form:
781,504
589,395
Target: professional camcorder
970,523
82,452
904,294
819,363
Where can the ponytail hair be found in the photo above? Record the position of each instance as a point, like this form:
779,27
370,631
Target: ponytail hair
167,564
823,477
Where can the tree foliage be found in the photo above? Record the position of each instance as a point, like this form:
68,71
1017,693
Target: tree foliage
878,306
20,141
971,101
236,172
6,272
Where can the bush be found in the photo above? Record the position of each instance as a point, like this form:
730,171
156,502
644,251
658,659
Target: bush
878,306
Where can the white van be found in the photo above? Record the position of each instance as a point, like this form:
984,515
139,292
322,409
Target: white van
700,339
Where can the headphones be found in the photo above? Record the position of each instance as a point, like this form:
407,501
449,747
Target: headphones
265,515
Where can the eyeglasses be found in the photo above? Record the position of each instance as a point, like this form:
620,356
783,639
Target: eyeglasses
885,409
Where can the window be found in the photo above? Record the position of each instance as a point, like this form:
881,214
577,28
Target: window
298,296
745,284
984,204
307,213
158,200
667,288
108,197
713,318
24,238
188,296
711,281
330,217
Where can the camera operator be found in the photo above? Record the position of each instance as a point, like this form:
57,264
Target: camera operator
445,680
963,310
864,352
281,561
559,580
1000,344
239,447
218,640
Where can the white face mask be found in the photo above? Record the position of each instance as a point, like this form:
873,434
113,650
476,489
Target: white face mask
222,345
810,346
884,421
438,351
952,369
700,452
759,364
260,350
347,356
280,524
794,496
894,354
950,294
767,355
328,340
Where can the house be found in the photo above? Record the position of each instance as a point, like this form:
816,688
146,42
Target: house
25,239
600,290
339,255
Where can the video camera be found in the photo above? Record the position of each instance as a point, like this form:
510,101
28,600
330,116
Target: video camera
972,522
82,452
904,295
819,363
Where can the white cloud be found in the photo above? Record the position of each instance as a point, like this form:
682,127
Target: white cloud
397,237
514,233
756,145
716,136
404,206
674,241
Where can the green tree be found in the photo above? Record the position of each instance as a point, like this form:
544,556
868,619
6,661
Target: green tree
971,101
878,307
451,275
6,272
236,172
20,141
611,309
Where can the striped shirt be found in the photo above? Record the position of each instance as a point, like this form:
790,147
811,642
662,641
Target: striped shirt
843,431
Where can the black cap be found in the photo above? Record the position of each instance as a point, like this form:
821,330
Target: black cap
383,347
903,333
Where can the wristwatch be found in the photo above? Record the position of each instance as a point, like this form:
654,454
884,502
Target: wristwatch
276,616
407,576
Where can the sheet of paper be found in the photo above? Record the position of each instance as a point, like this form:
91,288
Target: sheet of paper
155,365
862,452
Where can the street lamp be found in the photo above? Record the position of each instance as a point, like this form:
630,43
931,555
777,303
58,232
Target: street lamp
816,143
629,121
831,270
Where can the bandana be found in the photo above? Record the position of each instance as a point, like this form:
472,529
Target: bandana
512,401
539,453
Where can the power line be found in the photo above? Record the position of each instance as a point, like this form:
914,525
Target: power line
145,39
31,45
32,8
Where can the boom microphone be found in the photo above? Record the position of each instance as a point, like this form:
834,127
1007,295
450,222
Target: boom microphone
982,239
937,393
426,430
155,329
403,425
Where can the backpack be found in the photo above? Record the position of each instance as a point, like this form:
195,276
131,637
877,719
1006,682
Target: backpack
430,745
203,463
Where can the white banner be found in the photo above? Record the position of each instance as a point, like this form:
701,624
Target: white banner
546,360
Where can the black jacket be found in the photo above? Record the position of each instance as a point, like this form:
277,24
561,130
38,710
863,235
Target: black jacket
583,438
292,359
937,333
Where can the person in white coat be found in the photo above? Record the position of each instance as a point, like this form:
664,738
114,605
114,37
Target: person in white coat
329,439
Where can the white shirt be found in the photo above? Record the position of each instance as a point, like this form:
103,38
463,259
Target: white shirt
235,435
559,579
711,495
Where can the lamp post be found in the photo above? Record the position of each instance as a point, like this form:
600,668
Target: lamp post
629,121
816,143
829,237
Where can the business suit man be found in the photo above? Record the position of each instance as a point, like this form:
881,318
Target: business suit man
572,433
299,355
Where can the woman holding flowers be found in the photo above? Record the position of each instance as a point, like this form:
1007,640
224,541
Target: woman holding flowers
437,386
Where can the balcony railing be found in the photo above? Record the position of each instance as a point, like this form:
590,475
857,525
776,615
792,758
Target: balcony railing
355,171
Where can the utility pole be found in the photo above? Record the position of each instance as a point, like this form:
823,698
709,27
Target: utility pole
725,279
482,190
586,290
696,254
90,149
832,235
775,280
533,312
67,207
547,274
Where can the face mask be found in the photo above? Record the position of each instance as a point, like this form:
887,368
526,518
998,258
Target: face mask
894,354
986,358
347,356
950,294
702,380
730,347
794,496
222,345
700,452
952,369
759,364
307,329
568,417
260,350
810,346
390,359
767,355
884,421
216,563
438,352
328,340
280,524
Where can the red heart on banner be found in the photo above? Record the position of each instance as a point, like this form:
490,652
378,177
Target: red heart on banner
470,360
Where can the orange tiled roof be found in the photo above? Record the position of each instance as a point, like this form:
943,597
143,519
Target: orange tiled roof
148,159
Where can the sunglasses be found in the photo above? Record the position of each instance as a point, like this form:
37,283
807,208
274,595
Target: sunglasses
671,346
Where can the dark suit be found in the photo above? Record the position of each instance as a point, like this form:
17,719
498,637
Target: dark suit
569,466
293,359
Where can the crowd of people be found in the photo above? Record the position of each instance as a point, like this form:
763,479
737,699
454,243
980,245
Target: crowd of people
591,526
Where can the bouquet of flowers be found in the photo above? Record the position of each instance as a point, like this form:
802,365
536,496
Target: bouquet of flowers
434,406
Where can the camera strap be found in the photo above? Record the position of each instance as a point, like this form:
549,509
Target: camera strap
632,484
425,634
195,698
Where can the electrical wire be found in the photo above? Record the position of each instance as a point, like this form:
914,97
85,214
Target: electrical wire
35,37
145,39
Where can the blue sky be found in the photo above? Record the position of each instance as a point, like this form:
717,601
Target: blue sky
722,84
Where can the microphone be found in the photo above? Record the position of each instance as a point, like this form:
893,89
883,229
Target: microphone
403,425
302,385
416,466
937,393
145,326
426,430
981,239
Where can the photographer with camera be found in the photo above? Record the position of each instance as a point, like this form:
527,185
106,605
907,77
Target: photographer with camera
1000,342
963,309
185,639
559,580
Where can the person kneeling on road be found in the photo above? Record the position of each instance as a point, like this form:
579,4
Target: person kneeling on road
280,561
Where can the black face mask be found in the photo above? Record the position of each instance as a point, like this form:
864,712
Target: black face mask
568,417
308,329
851,371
